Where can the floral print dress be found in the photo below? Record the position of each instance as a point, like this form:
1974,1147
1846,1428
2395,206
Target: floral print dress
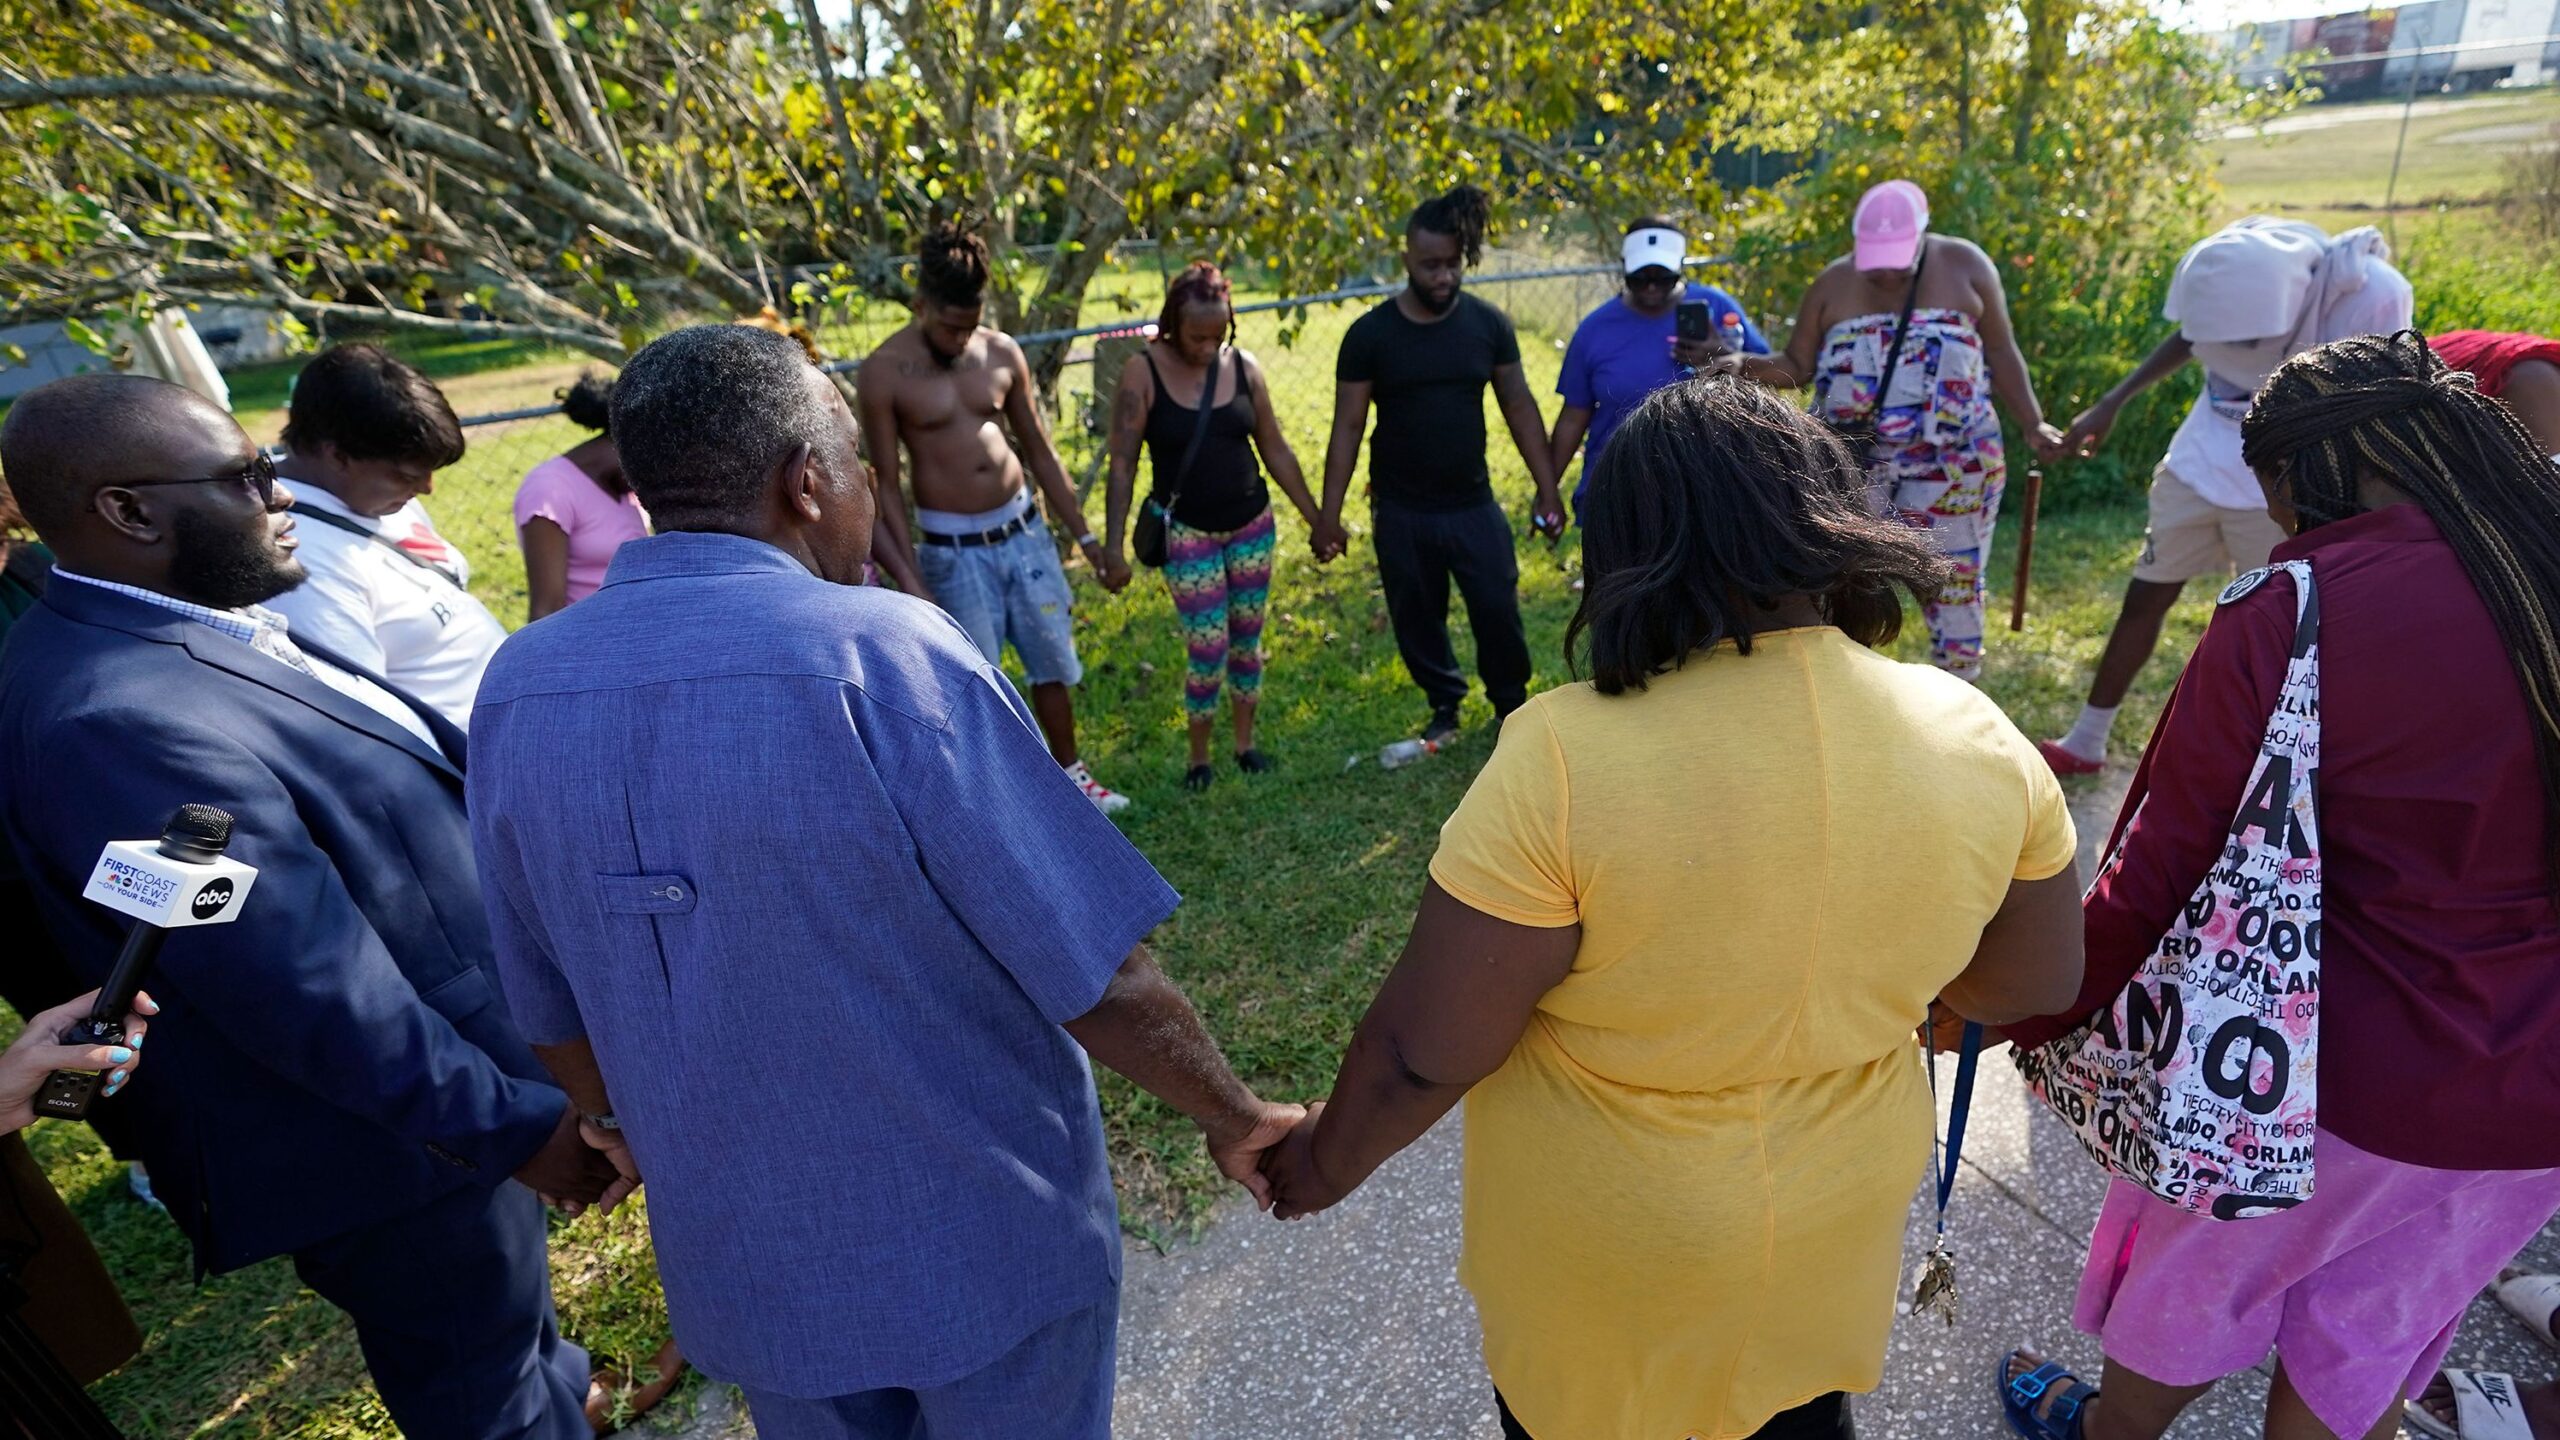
1938,463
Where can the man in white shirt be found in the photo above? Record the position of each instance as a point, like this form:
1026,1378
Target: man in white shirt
364,435
2246,298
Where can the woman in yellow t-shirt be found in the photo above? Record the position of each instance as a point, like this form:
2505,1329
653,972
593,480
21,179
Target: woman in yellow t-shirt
1679,937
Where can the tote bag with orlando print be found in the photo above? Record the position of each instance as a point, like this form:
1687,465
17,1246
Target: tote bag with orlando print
2199,1082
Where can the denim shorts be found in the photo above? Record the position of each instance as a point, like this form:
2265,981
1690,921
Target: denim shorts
1013,590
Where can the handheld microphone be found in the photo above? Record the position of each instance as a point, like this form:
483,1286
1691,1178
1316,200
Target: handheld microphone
182,880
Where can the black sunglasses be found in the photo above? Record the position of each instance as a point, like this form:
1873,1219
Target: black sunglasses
1652,278
259,476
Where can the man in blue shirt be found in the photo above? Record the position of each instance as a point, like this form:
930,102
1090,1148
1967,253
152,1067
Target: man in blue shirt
1630,347
783,896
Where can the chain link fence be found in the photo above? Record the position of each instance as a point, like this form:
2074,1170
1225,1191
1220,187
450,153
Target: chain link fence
1294,337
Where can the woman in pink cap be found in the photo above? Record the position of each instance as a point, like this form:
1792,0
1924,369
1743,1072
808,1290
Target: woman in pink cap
1904,341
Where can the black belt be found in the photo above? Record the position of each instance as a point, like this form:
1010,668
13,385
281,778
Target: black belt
997,536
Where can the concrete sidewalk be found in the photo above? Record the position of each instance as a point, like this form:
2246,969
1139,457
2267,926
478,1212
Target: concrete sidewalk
1352,1324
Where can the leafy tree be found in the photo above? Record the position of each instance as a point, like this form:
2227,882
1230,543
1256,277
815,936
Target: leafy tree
395,162
577,171
565,172
2069,138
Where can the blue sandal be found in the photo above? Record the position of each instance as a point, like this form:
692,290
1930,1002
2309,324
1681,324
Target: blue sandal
2019,1397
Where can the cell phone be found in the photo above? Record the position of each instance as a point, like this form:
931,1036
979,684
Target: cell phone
1695,320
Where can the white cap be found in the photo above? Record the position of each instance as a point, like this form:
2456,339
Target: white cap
1656,248
2248,280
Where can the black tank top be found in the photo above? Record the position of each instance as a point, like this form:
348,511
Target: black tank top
1224,490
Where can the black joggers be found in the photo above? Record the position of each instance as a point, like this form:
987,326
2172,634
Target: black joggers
1419,553
1825,1417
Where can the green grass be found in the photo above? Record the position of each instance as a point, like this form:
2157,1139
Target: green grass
1297,886
2337,174
1297,889
258,389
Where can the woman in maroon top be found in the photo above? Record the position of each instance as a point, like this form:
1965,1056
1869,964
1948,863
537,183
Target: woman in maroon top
2431,522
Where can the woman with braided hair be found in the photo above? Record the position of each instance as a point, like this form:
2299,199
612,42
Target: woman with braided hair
2431,523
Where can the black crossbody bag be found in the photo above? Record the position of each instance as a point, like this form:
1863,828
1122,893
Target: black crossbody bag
1146,541
1860,434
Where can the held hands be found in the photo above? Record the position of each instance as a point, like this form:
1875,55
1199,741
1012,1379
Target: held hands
2050,445
615,1149
1299,1186
1109,566
2089,431
1945,1031
1113,571
1240,1145
1327,538
1546,516
39,1051
569,1173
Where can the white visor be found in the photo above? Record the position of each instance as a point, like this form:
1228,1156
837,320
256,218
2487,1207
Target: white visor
1656,248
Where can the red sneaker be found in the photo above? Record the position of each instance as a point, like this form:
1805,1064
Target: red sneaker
2064,762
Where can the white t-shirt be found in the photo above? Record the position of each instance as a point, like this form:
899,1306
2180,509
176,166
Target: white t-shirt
411,623
2205,453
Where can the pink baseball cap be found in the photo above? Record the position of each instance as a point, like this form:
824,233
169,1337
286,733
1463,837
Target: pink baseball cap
1891,219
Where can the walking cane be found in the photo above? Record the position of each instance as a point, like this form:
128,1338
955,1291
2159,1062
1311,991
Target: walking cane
2026,551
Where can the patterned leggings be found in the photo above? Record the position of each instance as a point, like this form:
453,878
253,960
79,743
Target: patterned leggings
1220,581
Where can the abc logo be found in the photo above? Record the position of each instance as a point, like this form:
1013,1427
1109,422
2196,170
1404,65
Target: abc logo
210,900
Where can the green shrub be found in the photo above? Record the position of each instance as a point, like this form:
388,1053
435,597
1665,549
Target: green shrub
2072,141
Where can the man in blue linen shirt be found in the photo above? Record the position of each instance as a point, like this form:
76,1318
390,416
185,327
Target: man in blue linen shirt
770,863
1630,346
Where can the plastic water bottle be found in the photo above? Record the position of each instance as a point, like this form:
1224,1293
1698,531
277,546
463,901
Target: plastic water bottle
1729,326
1405,752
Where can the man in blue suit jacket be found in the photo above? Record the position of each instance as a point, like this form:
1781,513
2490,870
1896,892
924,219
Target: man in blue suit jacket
338,1080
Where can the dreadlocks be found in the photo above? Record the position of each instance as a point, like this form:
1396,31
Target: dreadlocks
953,264
2385,407
1463,214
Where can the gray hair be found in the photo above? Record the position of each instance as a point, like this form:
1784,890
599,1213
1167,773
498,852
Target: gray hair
703,414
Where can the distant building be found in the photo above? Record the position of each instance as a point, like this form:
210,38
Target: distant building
2433,44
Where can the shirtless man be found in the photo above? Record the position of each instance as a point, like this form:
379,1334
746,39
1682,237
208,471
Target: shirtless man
946,389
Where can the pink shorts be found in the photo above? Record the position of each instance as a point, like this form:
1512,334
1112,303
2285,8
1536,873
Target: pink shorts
2357,1290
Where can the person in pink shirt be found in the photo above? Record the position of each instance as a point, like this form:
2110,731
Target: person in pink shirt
574,510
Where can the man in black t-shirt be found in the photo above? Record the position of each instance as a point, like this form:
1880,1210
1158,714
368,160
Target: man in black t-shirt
1425,358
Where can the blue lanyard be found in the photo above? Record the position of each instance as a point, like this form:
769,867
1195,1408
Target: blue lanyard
1968,1053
